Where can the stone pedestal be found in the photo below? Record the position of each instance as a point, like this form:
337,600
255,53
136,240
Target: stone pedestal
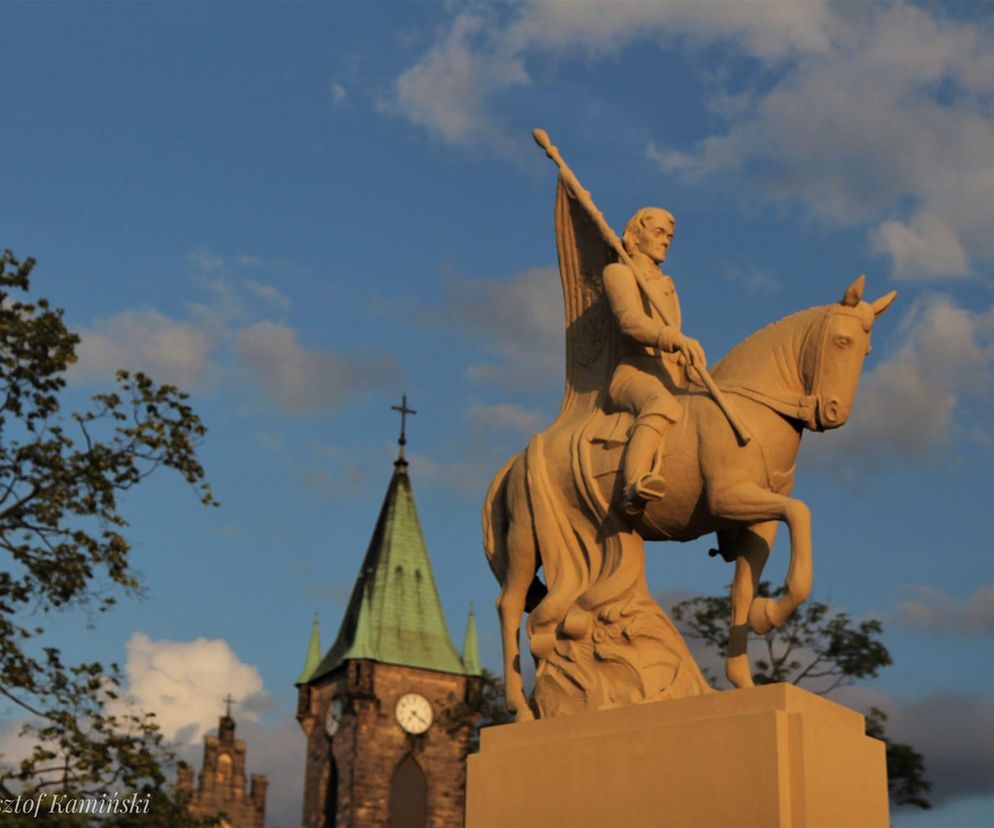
763,757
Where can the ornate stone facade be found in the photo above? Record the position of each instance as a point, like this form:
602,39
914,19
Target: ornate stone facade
221,787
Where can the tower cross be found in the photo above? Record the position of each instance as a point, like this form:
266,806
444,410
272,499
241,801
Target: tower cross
404,411
228,701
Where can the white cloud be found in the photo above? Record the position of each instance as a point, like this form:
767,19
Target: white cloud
14,747
223,336
467,477
233,297
752,280
877,114
349,479
205,260
921,251
939,613
339,94
907,404
183,683
307,380
450,91
270,295
187,351
892,125
770,31
168,349
519,321
446,92
505,416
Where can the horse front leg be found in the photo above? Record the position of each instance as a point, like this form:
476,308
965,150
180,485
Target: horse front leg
748,502
750,547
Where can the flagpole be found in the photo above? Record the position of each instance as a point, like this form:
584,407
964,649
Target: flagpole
586,201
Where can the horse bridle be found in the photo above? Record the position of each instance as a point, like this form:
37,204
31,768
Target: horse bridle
818,335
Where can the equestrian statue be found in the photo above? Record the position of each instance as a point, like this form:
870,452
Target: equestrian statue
650,445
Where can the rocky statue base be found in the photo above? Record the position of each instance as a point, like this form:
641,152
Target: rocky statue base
764,756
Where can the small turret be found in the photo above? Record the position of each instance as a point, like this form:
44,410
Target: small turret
313,653
471,647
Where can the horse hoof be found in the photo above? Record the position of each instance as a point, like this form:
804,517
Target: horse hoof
738,672
759,618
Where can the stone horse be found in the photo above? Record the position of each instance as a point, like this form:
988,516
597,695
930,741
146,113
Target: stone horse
598,638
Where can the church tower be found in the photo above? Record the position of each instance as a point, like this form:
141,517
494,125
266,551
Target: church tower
378,755
221,782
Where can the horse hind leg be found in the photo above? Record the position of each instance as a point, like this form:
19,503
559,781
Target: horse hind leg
517,592
507,546
750,548
520,589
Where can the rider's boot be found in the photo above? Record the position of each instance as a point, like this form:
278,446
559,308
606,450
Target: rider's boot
643,483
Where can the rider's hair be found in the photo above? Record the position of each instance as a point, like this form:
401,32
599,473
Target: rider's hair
636,223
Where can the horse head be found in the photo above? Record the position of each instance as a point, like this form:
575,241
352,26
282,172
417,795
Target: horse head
832,357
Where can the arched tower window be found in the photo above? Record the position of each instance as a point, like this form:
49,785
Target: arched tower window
331,794
223,772
408,795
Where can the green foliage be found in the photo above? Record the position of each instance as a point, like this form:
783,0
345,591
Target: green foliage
61,479
905,766
817,646
821,649
482,706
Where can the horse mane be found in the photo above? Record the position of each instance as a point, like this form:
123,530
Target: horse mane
771,357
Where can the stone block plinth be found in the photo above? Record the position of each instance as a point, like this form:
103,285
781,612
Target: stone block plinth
762,757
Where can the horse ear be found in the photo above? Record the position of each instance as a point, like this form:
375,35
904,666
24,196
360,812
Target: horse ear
854,293
881,304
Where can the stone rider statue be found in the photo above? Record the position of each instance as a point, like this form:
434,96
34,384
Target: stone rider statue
654,355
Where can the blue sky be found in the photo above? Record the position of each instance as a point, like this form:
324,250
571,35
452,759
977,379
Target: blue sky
299,212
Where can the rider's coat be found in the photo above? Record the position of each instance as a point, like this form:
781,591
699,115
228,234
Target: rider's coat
649,372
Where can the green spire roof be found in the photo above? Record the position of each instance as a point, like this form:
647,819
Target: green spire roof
313,654
394,615
471,647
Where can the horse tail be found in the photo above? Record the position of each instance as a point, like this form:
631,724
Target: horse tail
495,523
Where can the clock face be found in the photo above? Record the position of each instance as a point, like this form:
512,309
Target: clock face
333,717
413,713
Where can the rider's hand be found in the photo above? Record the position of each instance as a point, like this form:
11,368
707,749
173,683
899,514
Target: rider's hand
692,352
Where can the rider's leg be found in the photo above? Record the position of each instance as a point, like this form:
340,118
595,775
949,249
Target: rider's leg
646,396
642,480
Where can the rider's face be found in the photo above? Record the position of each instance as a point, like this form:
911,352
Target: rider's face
655,236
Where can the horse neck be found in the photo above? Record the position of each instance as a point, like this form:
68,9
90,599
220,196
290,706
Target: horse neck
770,361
